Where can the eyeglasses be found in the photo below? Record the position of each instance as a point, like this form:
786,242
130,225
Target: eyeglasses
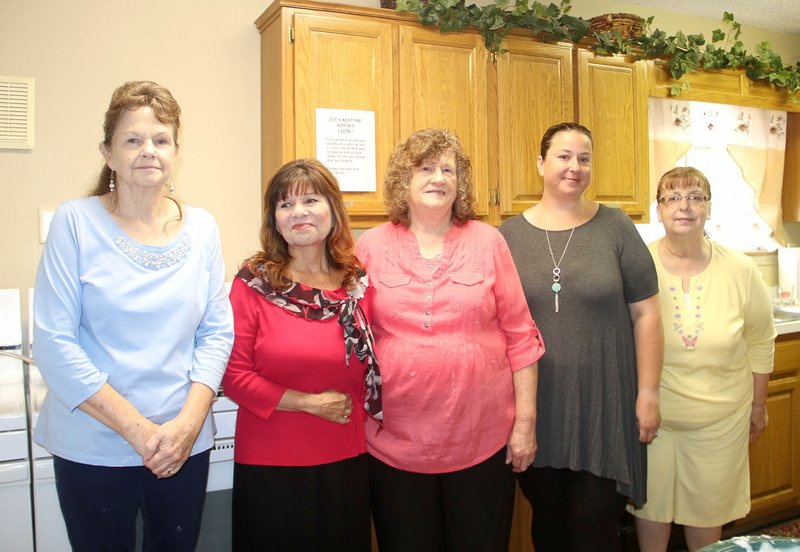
675,199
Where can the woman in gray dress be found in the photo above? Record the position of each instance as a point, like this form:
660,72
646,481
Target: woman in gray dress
592,283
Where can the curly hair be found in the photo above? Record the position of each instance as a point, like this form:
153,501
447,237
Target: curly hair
419,147
303,176
683,177
131,96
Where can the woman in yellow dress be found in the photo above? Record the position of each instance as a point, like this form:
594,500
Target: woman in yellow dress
719,347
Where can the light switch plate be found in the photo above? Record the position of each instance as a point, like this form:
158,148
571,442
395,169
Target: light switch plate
45,218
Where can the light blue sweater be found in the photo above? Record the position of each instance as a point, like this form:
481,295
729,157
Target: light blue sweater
147,320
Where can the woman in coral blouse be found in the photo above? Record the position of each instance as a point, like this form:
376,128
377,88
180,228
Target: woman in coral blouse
301,361
458,351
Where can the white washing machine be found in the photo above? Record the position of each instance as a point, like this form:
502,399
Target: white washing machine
16,520
215,531
51,532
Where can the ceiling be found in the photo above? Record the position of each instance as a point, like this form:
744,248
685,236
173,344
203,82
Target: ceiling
774,15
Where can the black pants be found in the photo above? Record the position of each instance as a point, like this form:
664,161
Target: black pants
321,508
573,511
468,510
100,505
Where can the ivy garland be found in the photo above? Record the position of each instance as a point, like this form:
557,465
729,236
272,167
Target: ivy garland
683,53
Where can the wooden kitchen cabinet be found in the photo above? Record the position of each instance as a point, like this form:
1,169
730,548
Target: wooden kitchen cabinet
346,57
442,83
345,64
317,55
775,457
790,199
312,59
727,86
534,90
612,103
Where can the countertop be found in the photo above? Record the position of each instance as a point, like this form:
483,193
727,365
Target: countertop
787,326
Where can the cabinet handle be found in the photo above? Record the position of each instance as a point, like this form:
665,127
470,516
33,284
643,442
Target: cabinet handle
496,197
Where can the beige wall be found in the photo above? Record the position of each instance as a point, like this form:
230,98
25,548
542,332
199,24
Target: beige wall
207,53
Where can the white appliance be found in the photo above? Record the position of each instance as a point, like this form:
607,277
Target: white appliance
789,273
51,532
220,473
16,519
49,527
215,531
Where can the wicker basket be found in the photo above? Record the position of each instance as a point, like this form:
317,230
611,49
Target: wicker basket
627,24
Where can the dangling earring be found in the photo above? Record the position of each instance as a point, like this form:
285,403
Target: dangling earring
171,186
111,185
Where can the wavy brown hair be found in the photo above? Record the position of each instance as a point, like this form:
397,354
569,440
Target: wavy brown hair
681,178
131,96
303,176
421,146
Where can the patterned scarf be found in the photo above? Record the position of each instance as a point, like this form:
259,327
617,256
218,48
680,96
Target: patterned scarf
313,304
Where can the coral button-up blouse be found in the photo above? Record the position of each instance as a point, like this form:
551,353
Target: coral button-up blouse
449,332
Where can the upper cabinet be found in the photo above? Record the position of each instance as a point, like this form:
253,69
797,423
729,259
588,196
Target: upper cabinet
311,60
791,170
728,86
612,103
317,55
442,84
532,90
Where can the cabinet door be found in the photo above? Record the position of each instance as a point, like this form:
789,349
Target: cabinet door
443,85
612,103
775,457
791,170
345,62
534,92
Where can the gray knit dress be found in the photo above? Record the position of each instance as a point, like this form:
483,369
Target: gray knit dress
586,417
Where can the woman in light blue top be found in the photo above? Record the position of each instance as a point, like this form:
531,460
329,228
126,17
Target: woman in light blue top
132,333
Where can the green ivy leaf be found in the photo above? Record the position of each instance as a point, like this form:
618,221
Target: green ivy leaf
683,53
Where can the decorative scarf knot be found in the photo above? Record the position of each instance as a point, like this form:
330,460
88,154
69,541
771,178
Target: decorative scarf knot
313,304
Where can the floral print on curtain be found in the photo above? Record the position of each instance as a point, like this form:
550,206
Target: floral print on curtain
741,151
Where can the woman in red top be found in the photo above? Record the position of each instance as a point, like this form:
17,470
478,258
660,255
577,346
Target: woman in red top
301,361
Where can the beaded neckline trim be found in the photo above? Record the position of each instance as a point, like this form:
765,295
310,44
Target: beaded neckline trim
151,260
693,327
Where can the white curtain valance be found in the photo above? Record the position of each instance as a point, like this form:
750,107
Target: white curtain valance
741,150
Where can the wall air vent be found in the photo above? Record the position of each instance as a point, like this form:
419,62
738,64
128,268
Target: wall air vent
16,112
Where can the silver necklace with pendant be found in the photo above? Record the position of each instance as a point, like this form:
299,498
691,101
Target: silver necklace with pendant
556,287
